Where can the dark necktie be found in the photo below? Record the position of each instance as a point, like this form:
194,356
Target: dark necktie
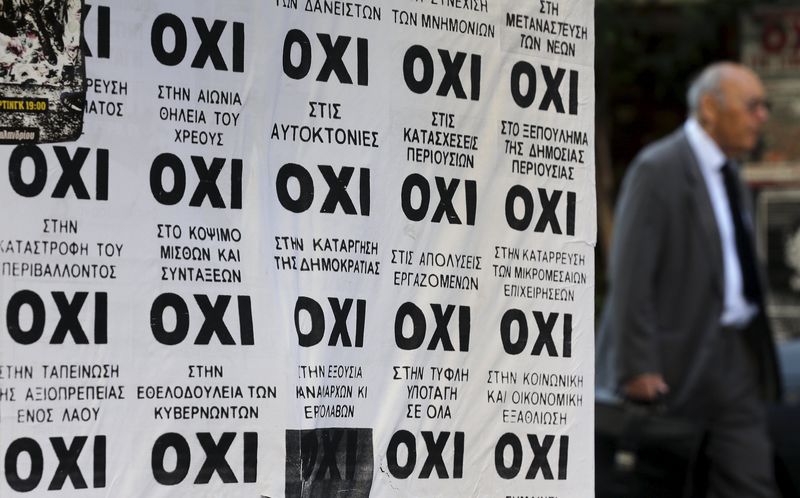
744,247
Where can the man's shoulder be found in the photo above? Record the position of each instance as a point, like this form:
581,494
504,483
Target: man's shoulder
656,166
664,152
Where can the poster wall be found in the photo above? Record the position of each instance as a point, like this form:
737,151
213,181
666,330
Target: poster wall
304,249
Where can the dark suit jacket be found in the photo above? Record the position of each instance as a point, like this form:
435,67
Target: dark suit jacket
666,278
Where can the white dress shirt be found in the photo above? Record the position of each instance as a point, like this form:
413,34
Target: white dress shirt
737,311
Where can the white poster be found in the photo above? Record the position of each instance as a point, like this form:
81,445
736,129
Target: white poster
308,249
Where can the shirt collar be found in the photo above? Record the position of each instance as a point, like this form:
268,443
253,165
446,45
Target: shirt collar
707,152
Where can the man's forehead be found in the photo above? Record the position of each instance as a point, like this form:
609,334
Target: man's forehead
740,81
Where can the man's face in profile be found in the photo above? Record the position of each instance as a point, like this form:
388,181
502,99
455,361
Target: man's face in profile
737,115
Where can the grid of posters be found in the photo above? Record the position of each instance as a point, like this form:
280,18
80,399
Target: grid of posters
308,248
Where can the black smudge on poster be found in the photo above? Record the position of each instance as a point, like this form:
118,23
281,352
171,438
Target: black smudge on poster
327,462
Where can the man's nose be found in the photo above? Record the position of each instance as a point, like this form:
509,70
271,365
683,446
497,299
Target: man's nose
760,109
763,113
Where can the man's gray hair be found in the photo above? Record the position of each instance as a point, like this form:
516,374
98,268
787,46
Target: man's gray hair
708,81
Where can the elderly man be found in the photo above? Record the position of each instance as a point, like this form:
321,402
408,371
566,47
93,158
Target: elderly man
685,319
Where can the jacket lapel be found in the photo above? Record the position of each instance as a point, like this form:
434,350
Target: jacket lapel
703,210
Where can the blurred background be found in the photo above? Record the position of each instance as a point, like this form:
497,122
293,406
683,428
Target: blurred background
647,51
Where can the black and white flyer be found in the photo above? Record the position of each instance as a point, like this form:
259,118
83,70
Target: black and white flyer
42,71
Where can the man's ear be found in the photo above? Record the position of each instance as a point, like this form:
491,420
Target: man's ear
708,110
